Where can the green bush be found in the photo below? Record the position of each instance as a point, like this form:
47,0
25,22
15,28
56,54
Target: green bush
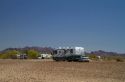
32,54
11,54
113,58
3,56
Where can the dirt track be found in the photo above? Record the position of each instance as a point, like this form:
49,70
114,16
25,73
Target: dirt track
50,71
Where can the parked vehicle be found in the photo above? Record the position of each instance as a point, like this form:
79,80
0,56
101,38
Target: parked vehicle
22,56
79,58
70,54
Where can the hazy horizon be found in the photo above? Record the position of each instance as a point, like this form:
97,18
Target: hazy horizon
94,25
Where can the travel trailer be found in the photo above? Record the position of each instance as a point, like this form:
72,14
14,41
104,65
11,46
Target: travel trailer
70,54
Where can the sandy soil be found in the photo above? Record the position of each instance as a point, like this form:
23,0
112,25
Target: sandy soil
51,71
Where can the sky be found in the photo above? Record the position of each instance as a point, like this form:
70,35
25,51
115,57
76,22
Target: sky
92,24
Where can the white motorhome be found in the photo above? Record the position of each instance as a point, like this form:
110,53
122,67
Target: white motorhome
70,53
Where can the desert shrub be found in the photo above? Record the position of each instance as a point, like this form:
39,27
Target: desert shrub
11,54
119,59
32,54
113,58
8,56
107,58
93,57
4,56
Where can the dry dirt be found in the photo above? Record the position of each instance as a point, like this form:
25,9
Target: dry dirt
51,71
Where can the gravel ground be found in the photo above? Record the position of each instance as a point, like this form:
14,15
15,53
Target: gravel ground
51,71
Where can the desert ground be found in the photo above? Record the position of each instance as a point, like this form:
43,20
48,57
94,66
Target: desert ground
51,71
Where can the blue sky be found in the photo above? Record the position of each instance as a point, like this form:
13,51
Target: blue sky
93,24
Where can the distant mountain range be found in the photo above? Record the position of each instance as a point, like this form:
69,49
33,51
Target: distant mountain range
104,53
50,50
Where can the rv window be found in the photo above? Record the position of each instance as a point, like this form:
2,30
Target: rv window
68,51
71,51
59,52
55,52
64,51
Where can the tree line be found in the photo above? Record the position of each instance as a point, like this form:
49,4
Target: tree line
12,54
